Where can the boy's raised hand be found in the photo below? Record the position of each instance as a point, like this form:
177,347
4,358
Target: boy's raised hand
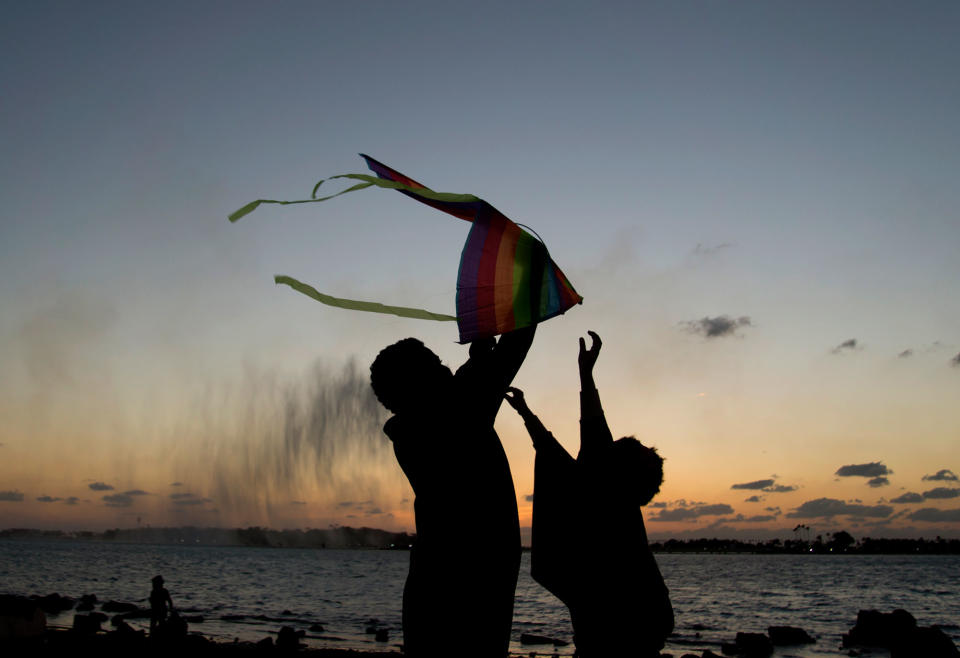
515,399
588,357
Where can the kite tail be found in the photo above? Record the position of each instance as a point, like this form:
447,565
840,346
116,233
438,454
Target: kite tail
368,181
354,305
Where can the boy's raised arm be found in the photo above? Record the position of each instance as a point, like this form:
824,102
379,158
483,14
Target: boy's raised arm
594,432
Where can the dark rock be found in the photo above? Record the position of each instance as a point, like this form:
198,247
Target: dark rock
85,625
288,639
729,648
193,619
709,654
898,631
86,602
287,613
20,617
176,626
196,645
123,628
786,635
689,655
926,641
370,630
54,603
753,645
880,629
265,642
316,628
99,616
119,606
382,635
530,638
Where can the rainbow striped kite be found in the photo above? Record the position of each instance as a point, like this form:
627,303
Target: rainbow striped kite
507,280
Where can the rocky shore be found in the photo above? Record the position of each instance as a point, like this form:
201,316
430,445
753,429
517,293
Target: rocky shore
105,633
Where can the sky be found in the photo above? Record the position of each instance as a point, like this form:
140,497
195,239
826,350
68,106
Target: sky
757,201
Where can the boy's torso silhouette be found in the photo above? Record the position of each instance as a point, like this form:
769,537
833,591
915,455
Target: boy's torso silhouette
464,564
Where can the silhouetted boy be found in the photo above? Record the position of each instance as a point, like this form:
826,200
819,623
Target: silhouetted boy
464,564
159,600
589,544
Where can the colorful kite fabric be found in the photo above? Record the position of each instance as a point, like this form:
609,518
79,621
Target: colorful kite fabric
507,280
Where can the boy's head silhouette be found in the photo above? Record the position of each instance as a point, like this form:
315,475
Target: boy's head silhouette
407,374
636,469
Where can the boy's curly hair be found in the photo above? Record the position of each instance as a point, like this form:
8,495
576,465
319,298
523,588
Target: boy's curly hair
639,469
397,375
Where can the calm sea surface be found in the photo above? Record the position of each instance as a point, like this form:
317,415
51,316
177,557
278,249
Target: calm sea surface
714,596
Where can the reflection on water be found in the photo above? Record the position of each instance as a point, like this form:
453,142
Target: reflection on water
714,596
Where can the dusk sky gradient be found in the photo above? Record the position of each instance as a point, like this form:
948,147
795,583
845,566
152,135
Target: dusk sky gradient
758,202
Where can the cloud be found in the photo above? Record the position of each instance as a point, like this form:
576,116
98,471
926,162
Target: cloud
943,474
688,513
347,503
528,498
11,496
657,505
118,500
849,344
934,515
780,488
829,507
722,325
298,502
941,493
176,484
871,470
955,361
756,484
72,500
768,486
909,497
879,481
701,250
753,499
905,354
192,501
374,510
48,499
186,498
775,510
136,492
759,518
100,486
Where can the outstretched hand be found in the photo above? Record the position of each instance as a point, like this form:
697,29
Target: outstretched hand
515,399
588,357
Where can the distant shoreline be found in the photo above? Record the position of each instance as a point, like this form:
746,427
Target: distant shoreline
344,537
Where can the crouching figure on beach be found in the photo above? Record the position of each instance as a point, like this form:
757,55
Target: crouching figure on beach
589,544
466,557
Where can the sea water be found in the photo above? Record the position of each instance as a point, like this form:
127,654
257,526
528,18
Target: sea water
258,590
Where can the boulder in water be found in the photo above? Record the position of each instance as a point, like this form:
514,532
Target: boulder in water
898,631
787,635
119,606
749,645
54,603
